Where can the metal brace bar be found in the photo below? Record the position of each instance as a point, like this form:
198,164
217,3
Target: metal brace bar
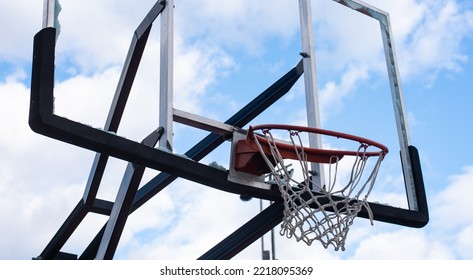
122,92
246,234
202,122
123,203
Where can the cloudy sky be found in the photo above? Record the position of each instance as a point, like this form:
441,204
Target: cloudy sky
227,52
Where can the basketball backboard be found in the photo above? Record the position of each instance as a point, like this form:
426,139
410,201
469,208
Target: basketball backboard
408,165
393,103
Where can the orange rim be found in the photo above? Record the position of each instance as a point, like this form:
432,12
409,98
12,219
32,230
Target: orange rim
314,152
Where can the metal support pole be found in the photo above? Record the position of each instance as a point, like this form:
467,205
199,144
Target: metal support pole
264,253
310,80
49,11
273,244
246,234
166,75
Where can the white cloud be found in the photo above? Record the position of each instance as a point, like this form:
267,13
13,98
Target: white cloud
404,244
96,35
197,68
14,105
236,25
30,215
464,243
332,94
200,218
452,206
41,179
18,22
344,38
86,99
148,222
447,236
428,36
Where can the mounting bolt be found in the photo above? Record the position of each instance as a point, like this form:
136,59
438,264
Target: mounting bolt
304,54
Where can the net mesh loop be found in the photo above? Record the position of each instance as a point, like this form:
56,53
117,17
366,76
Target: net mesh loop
327,214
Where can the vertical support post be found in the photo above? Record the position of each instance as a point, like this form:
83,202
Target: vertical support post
166,75
273,244
123,203
310,80
264,253
49,10
399,112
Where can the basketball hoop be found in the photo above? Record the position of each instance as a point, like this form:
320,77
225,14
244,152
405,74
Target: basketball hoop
327,213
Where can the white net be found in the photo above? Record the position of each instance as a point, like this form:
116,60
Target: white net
325,215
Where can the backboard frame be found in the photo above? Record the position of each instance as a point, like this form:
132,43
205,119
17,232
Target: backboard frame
396,92
310,82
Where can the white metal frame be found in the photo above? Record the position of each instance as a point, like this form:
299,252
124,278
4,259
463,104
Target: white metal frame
396,91
168,114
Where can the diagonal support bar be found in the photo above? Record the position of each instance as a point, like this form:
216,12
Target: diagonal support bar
123,203
247,234
130,68
125,83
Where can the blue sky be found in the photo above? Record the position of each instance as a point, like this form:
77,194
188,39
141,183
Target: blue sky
224,56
